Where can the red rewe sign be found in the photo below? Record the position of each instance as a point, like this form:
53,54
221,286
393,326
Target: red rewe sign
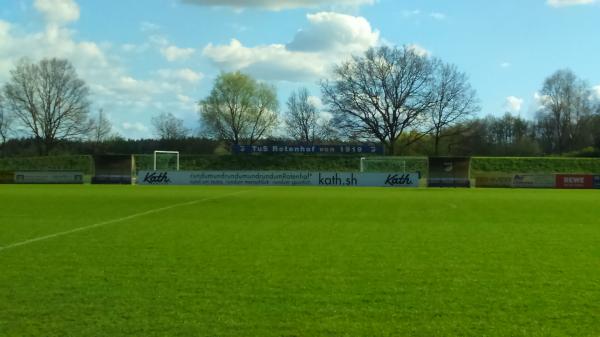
573,181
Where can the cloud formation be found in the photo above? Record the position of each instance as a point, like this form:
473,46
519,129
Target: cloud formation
513,104
311,53
174,53
58,11
567,3
278,5
596,92
186,75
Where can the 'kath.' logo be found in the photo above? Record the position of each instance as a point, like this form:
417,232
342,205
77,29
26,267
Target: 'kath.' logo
398,180
156,178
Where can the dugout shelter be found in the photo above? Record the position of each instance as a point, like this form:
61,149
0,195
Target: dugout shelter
113,169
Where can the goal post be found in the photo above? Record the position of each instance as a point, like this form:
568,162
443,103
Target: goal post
158,154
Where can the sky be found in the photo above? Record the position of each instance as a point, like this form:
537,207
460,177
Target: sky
142,58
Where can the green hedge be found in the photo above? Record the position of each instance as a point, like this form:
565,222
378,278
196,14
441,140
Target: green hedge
58,163
258,162
479,165
550,165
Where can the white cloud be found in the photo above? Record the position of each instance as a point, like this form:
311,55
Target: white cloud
270,62
417,14
315,101
135,48
438,16
58,11
567,3
513,104
329,38
596,91
505,65
411,13
184,99
149,27
330,31
187,103
185,75
418,49
277,5
174,53
134,126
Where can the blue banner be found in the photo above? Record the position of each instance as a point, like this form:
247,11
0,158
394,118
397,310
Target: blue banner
597,182
310,149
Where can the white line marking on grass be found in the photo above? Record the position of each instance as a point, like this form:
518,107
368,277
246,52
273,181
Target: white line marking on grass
110,222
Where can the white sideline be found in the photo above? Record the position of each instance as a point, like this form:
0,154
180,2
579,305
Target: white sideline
109,222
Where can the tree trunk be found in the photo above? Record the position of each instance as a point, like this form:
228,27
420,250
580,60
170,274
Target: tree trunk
391,147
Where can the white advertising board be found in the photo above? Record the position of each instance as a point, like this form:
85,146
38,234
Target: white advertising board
534,181
278,178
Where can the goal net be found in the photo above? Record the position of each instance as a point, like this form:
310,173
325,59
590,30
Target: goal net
166,160
394,164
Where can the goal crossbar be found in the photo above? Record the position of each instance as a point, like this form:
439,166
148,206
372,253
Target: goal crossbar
166,152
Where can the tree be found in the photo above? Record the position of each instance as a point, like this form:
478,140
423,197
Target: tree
382,95
239,109
49,101
566,108
101,128
454,101
168,127
302,118
5,123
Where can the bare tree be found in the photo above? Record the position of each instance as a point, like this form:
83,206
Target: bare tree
101,128
5,124
239,109
566,108
168,127
382,95
49,100
302,118
454,100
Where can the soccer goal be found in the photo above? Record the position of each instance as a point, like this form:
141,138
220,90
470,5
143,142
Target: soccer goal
166,160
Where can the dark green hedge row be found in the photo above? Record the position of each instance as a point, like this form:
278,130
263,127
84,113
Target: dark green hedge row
58,163
535,165
258,162
323,163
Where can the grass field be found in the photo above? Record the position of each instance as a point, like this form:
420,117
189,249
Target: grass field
165,261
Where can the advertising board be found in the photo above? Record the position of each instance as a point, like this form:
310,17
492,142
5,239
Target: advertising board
495,182
111,179
48,177
597,182
449,182
309,149
278,178
534,181
449,172
574,181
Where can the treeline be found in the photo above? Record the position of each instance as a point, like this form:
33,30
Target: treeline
506,136
515,136
411,103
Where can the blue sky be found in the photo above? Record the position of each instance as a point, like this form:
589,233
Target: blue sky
143,58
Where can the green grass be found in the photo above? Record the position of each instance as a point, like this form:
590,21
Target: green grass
299,262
